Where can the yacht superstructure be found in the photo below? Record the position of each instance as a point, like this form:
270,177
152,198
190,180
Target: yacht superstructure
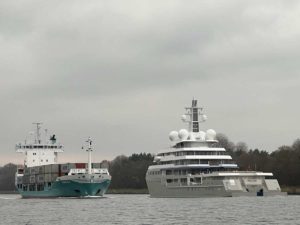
41,176
196,166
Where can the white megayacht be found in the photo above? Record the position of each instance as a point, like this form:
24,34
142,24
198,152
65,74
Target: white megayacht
195,166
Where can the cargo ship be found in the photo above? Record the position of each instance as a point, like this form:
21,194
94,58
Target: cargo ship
42,176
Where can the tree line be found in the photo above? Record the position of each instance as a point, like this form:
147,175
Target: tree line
128,172
7,177
284,162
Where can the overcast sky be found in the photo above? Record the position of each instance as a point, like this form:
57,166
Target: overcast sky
123,71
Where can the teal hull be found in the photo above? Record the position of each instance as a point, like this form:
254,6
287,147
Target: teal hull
69,189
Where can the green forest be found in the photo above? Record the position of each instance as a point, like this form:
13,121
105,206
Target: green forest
128,172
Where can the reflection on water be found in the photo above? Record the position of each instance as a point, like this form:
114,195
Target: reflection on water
140,209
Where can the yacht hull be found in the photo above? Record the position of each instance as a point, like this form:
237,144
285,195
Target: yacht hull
229,187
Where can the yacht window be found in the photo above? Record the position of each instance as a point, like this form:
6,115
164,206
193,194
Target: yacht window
183,180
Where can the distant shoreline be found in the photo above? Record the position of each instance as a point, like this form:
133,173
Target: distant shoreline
291,190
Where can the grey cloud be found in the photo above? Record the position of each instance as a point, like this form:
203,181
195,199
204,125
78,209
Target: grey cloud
69,62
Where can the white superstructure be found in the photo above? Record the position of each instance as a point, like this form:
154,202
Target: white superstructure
196,166
37,151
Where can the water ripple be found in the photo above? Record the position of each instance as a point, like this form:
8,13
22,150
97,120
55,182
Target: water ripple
140,209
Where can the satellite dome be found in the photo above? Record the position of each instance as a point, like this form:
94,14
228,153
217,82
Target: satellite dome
173,135
184,118
204,117
196,135
202,135
210,135
192,136
183,134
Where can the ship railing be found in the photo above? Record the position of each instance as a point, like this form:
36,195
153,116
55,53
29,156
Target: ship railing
84,171
183,184
39,146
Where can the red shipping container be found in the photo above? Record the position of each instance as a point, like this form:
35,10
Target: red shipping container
80,165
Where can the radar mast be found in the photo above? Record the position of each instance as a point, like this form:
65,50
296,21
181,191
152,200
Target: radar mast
38,134
195,115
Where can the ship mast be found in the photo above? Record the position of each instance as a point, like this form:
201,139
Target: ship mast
38,134
195,115
89,150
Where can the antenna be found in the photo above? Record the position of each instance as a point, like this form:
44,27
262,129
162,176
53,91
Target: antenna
89,141
38,135
195,116
46,135
89,150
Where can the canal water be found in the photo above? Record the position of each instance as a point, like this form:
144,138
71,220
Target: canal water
141,209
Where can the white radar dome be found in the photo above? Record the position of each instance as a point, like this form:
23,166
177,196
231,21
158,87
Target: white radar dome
210,135
183,134
184,118
202,135
173,135
197,136
192,136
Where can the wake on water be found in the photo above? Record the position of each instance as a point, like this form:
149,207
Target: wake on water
7,198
